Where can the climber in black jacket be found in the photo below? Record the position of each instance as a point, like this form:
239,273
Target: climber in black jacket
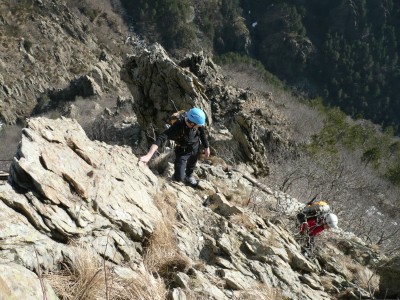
187,133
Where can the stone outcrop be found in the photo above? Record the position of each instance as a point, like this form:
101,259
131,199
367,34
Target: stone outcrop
160,87
64,187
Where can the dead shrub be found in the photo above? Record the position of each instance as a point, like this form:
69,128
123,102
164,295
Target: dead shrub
101,129
83,278
244,76
89,277
230,150
359,274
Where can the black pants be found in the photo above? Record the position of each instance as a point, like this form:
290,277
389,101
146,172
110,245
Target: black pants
185,161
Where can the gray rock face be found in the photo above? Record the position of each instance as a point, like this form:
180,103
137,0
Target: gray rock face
79,189
61,62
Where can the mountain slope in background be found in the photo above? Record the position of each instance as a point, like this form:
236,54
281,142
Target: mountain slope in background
345,51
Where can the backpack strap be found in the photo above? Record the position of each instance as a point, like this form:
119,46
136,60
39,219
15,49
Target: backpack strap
179,138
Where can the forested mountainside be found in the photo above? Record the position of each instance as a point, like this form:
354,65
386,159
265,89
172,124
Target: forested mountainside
345,51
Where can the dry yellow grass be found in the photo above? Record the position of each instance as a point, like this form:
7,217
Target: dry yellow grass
162,255
90,278
200,265
83,278
359,274
141,287
367,279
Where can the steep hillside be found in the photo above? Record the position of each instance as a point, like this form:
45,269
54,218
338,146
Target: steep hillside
46,45
57,58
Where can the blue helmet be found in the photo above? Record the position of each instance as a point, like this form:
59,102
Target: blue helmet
197,116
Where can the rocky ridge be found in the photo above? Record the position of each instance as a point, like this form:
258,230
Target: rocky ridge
64,187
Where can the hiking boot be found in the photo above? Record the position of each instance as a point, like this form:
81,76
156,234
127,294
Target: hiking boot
191,180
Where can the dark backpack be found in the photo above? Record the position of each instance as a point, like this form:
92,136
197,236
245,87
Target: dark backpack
172,119
179,115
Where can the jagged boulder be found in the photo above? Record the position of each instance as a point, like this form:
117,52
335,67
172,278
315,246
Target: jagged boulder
160,87
20,240
203,68
244,130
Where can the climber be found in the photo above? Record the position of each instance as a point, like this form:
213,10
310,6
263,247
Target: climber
317,224
187,132
314,225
